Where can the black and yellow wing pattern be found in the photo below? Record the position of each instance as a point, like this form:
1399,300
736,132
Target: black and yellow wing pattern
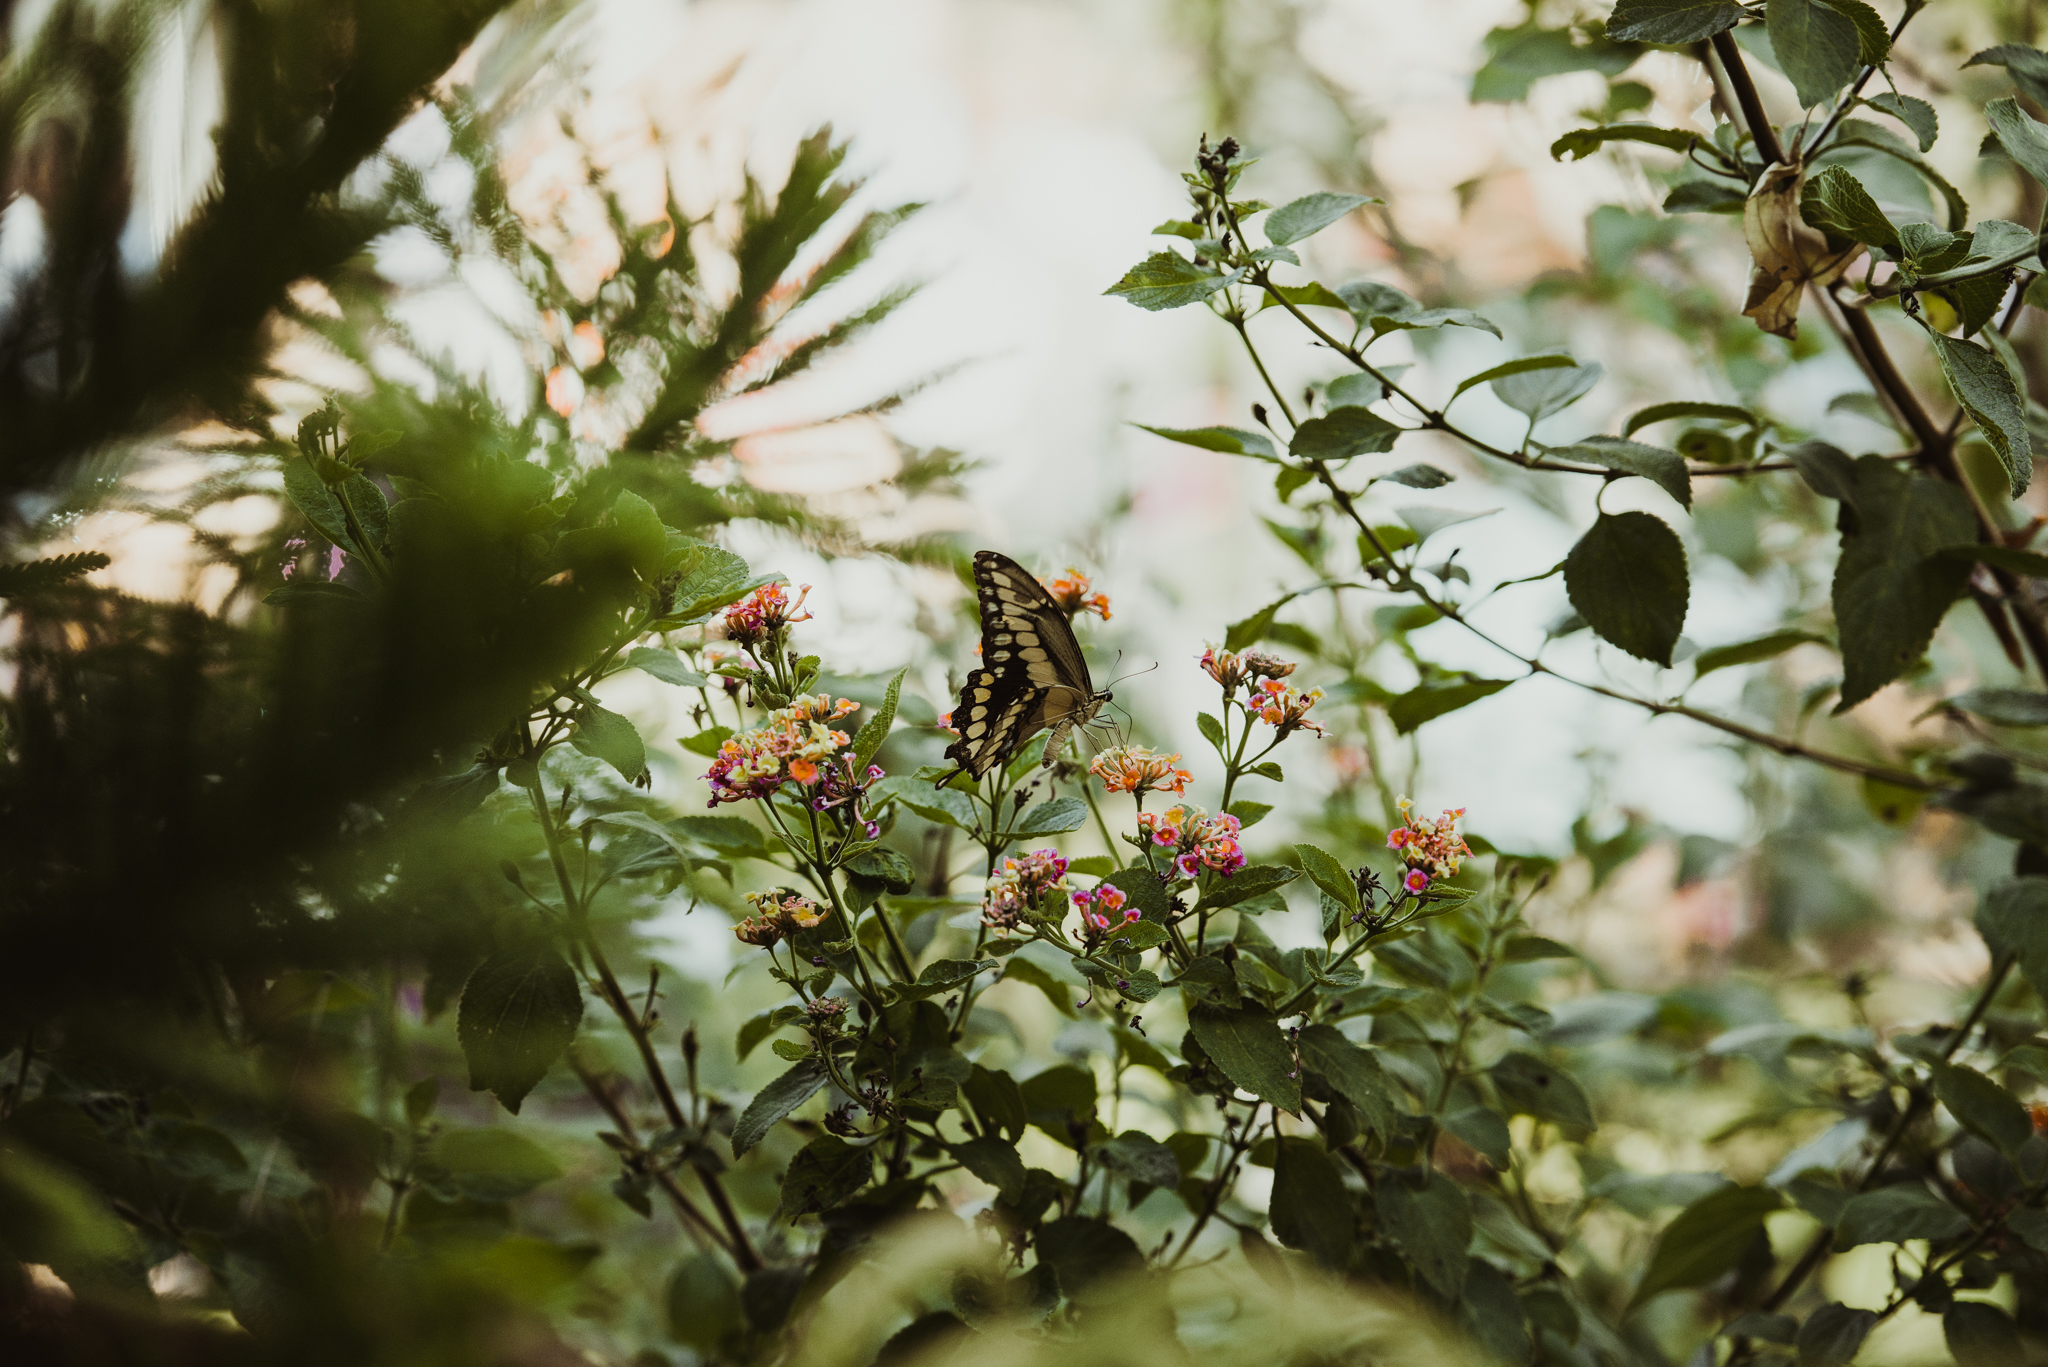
1032,675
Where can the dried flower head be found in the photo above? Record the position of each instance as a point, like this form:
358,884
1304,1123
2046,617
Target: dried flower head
1070,591
789,745
1259,665
777,915
1432,850
1284,709
1137,769
1021,885
825,1010
764,615
1195,840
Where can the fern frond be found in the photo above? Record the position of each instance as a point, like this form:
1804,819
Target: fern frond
37,576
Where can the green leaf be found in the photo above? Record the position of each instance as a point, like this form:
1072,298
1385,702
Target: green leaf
1519,57
1530,1086
1662,467
704,1304
1385,309
884,867
1061,1103
1233,441
824,1173
730,835
1516,367
995,1096
1892,1215
1704,196
1892,588
947,806
869,741
1355,1073
1322,867
1428,701
420,1100
1818,47
1836,203
489,1164
1706,1239
1311,295
664,665
1247,883
2024,139
941,976
1863,133
1310,1209
2027,66
608,736
775,1101
708,578
1141,889
1094,1261
1982,1335
1751,652
1660,412
1310,215
1627,578
1056,817
1915,113
1418,477
1343,433
1982,1107
1833,1335
2013,919
1250,1050
2004,706
1141,1159
760,1027
1984,387
1167,280
707,741
1671,21
1581,143
994,1162
1253,628
1538,392
1873,34
1433,1226
1022,970
520,1009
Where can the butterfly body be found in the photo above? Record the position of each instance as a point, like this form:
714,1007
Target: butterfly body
1032,675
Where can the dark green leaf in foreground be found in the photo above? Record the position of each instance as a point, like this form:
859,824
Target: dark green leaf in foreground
775,1101
1836,202
1706,1239
1982,1335
1817,45
1833,1335
2024,139
608,736
1342,433
519,1011
1985,388
1627,578
1913,112
1892,1215
1251,1051
2004,706
1661,466
1311,1210
1981,1106
1892,588
1433,1225
825,1173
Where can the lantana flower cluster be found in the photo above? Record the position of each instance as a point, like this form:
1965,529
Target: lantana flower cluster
793,743
1432,850
1247,669
1285,709
1104,907
765,614
1136,769
777,915
1021,885
1197,840
1071,592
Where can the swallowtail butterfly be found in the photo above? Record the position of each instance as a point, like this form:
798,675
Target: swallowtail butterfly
1032,675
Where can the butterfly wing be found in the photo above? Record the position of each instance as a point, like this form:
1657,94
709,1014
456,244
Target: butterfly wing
1032,672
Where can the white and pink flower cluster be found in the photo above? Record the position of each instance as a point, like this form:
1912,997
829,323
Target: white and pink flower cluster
1105,906
1021,885
1431,850
1197,841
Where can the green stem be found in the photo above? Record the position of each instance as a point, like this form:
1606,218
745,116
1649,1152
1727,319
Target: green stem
1115,854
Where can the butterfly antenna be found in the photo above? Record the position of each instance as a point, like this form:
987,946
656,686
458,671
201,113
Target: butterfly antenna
1133,674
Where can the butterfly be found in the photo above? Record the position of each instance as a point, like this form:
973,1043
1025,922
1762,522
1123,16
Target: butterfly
1032,675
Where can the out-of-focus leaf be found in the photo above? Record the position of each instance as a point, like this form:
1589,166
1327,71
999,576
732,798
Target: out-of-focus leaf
1706,1239
1892,587
1833,1335
1515,367
1982,1107
1982,1335
1818,46
1892,1215
1310,1209
1581,143
1530,1086
1662,467
1539,391
2004,707
2024,139
2027,66
1310,214
1428,701
494,1164
826,1172
1753,652
1660,412
1233,441
519,1011
608,736
1354,1072
1433,1226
